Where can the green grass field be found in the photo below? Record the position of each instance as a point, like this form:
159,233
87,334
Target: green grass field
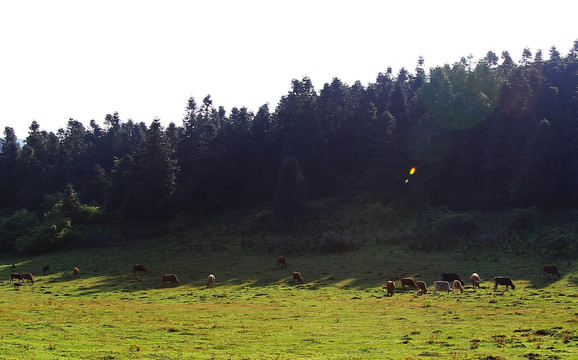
255,312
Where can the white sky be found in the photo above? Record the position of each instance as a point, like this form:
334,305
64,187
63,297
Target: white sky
83,59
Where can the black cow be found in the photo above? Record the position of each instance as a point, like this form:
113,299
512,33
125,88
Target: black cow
550,270
138,269
450,277
503,280
408,282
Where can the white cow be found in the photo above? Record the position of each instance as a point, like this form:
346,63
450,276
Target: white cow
475,279
441,286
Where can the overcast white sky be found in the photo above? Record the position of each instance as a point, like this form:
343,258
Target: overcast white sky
83,59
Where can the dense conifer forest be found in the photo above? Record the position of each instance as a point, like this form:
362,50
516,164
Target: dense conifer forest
494,134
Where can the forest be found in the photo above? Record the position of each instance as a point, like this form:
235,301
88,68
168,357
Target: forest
478,135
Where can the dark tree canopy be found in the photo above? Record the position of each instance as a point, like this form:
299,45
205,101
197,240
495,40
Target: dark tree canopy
291,191
489,134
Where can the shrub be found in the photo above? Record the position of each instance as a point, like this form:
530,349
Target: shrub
447,222
262,217
448,228
380,215
16,225
557,241
523,219
41,238
86,214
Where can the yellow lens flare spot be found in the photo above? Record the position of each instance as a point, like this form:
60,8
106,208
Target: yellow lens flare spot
412,171
406,181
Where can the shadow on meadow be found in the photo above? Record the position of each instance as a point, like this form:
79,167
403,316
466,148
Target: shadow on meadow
110,269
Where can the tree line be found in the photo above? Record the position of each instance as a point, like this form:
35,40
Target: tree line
486,134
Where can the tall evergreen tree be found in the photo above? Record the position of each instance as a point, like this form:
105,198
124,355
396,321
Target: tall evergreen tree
10,171
38,162
263,171
146,182
302,137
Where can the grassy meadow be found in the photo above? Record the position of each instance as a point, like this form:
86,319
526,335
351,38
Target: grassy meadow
254,311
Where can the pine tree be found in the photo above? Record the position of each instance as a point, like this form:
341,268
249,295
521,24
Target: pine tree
146,182
10,171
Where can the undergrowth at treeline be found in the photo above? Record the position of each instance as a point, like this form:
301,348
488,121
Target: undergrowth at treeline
327,226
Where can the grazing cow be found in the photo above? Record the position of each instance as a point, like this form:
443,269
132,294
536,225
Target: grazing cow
210,281
421,287
172,278
390,286
297,277
138,269
548,270
281,261
475,279
46,269
28,277
16,276
503,280
457,286
408,282
75,272
450,277
442,286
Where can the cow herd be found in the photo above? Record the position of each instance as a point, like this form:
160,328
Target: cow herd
21,278
449,281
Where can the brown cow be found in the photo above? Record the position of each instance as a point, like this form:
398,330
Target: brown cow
297,277
408,282
46,269
548,270
16,276
281,261
210,281
75,272
390,286
457,286
172,278
421,286
138,269
28,277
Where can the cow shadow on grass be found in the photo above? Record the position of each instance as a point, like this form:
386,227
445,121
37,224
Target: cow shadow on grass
96,278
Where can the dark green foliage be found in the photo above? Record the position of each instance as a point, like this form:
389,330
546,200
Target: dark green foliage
291,192
487,135
10,171
448,228
459,99
14,226
523,219
151,173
